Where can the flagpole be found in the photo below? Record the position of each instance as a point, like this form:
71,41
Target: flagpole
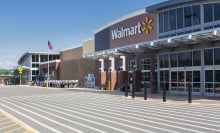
50,47
48,69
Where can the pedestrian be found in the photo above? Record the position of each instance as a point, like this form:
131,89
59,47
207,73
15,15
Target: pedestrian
131,81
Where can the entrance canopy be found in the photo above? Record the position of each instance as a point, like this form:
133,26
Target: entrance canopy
208,36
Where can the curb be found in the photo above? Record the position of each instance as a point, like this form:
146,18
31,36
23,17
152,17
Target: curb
171,101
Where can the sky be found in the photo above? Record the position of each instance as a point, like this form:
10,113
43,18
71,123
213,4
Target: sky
27,25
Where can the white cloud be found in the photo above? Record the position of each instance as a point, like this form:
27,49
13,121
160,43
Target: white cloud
19,34
8,61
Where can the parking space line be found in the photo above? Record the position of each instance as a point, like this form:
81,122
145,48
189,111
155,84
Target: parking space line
4,119
12,124
3,123
7,126
13,130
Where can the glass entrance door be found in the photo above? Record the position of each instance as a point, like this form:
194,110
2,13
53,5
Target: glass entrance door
209,82
212,82
179,80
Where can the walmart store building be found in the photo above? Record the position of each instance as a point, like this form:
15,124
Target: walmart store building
166,45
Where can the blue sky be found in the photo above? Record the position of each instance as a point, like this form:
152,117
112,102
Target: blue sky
27,25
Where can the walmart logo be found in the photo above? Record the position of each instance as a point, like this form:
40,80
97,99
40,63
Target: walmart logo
144,26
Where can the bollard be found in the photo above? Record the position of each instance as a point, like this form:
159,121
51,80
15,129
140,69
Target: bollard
133,90
189,93
164,92
126,90
145,91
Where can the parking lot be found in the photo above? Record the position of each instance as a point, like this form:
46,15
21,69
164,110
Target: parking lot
90,111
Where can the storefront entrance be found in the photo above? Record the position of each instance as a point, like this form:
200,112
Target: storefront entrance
181,79
212,81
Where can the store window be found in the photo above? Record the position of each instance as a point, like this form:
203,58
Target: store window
172,18
42,58
161,22
217,81
166,61
196,14
173,59
180,18
188,58
161,61
217,11
37,58
185,59
209,76
217,56
131,65
174,79
197,58
208,13
50,57
119,64
187,16
181,81
35,72
209,81
145,64
196,81
164,80
34,65
181,60
166,21
145,77
208,56
33,58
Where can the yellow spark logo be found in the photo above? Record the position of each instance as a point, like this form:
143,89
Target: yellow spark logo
146,25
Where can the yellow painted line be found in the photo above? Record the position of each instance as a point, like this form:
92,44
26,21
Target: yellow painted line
3,123
5,127
13,130
16,122
4,119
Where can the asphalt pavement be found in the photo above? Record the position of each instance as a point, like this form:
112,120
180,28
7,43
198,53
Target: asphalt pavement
78,110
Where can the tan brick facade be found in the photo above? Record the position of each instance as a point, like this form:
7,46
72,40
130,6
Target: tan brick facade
88,46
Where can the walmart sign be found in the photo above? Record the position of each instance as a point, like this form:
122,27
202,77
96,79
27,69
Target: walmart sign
140,27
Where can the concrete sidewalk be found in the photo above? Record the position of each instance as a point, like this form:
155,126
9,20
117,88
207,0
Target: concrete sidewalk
174,98
153,97
158,97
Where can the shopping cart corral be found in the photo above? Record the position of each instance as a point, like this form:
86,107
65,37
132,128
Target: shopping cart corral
60,83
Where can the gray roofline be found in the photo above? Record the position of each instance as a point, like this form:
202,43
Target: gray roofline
166,4
73,47
136,13
32,52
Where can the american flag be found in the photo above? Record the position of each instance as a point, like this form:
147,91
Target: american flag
50,46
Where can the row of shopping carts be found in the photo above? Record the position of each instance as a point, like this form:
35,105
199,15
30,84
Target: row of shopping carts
59,83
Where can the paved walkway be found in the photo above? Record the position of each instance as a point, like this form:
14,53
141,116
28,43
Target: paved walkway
176,98
158,97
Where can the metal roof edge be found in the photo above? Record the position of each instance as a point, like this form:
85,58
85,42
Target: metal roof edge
136,13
